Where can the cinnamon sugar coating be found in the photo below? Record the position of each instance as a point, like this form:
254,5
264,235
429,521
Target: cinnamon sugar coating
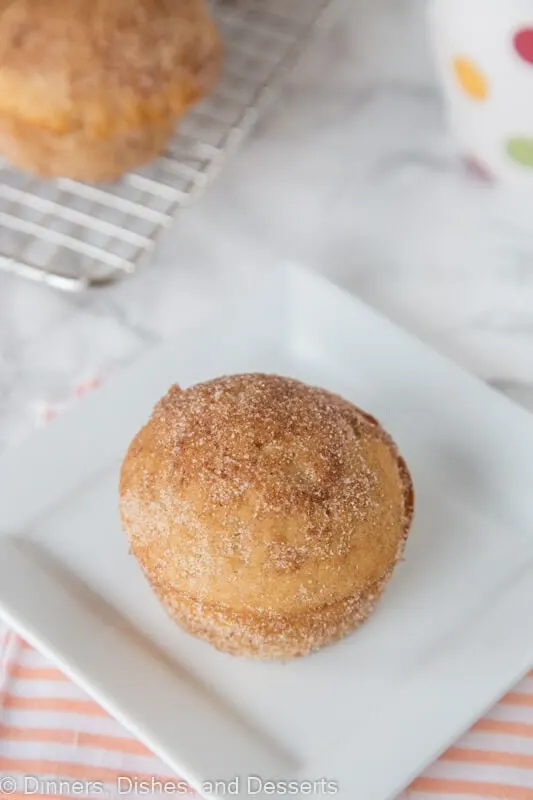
89,90
267,515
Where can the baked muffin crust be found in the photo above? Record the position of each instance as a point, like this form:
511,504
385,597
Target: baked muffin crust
267,515
90,89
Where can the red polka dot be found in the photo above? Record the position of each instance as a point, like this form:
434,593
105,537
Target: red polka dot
477,169
49,414
523,42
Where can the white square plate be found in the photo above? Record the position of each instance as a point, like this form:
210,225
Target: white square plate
451,635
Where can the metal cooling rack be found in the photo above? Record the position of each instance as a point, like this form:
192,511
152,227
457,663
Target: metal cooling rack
73,236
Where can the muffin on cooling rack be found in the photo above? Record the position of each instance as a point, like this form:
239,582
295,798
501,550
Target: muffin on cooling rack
90,90
267,515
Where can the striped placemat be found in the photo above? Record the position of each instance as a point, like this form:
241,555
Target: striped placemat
56,742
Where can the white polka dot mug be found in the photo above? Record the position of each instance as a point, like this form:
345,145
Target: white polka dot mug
484,56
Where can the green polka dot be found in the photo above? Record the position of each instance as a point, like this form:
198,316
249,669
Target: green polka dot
520,149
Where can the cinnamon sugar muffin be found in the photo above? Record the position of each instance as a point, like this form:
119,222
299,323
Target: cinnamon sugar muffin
267,515
90,90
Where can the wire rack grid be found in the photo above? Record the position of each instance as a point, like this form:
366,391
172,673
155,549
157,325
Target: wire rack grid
74,236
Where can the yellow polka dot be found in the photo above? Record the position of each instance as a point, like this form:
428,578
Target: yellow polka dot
471,79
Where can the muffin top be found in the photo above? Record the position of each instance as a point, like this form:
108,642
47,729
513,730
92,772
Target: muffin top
259,492
105,65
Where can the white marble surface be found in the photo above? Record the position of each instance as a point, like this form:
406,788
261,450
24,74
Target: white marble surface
353,173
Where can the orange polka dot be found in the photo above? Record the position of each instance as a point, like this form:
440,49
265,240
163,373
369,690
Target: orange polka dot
470,78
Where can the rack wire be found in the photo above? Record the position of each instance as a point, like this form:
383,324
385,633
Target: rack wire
74,236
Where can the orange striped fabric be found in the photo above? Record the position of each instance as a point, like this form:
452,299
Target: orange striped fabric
56,742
